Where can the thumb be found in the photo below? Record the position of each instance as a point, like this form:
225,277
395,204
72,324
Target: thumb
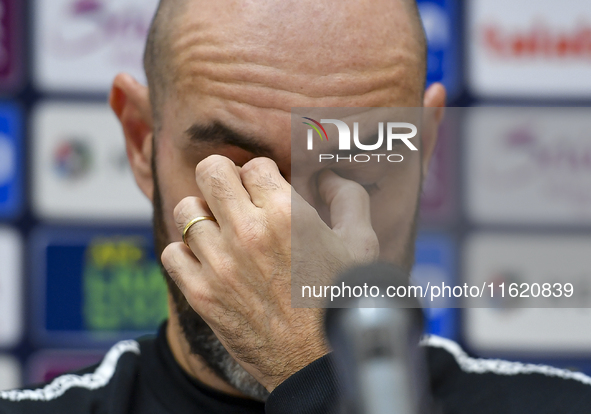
350,214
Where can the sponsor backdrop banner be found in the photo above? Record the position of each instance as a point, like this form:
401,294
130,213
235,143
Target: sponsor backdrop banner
528,165
11,284
11,168
95,287
514,177
523,261
435,264
80,45
80,166
10,373
12,37
525,49
442,28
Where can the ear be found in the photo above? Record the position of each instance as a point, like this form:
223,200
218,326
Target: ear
434,109
130,101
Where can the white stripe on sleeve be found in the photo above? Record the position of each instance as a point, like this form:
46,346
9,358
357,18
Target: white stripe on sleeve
499,366
91,381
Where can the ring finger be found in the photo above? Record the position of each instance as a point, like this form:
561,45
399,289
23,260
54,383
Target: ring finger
195,221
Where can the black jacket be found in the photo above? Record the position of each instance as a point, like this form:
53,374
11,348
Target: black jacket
142,377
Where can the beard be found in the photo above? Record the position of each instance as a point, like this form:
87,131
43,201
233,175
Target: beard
202,341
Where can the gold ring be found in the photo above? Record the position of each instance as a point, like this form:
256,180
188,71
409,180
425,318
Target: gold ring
195,220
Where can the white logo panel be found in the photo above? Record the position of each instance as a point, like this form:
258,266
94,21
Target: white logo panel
529,259
10,373
529,165
11,322
520,48
80,45
81,170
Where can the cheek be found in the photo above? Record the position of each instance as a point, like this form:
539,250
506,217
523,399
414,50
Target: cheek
393,210
176,180
171,196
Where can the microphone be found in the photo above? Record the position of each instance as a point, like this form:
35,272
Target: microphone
375,340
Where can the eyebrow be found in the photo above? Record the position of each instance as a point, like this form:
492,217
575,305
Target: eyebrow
219,134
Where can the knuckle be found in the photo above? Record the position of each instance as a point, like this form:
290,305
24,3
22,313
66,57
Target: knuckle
211,164
259,164
185,210
262,172
215,172
195,293
169,258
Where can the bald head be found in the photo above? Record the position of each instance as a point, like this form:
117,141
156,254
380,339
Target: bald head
315,49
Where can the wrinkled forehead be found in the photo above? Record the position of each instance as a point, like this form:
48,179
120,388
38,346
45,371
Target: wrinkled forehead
320,48
303,26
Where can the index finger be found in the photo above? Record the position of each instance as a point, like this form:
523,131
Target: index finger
219,181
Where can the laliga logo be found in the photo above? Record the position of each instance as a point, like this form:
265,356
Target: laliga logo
345,139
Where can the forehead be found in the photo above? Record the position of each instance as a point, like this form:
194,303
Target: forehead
247,63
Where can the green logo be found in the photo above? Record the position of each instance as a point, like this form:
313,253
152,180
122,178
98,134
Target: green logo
123,290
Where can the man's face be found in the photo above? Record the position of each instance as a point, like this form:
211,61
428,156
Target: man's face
238,69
